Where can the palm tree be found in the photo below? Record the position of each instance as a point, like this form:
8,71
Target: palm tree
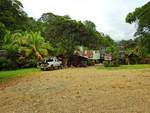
28,44
34,44
10,43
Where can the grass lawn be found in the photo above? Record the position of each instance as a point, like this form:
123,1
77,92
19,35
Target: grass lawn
137,66
16,73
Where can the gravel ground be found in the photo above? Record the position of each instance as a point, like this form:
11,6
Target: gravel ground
78,90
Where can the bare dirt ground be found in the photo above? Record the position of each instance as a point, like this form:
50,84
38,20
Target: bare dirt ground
78,90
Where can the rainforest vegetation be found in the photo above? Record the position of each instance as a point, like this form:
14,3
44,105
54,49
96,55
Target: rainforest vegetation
26,40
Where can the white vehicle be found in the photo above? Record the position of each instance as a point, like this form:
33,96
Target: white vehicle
50,63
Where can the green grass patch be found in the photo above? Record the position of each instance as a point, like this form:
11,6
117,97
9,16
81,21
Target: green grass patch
16,73
137,66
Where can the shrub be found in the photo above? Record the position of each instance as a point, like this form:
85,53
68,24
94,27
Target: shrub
30,63
106,63
114,63
90,62
7,64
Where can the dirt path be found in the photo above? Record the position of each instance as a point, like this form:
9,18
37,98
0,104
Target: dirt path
80,90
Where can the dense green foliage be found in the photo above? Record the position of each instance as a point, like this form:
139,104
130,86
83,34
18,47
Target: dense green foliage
65,34
141,17
114,51
27,40
14,18
21,38
24,49
12,14
27,44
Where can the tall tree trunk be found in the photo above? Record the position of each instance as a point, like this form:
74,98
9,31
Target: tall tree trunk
37,54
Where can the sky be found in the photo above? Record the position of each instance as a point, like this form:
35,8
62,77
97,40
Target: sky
108,15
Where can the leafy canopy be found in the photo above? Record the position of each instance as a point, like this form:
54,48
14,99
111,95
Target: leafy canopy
27,44
142,17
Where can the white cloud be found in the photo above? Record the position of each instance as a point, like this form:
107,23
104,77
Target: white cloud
108,15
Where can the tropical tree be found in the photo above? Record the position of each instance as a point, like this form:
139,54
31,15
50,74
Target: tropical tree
26,46
34,44
63,26
10,43
112,50
90,25
12,14
141,17
2,33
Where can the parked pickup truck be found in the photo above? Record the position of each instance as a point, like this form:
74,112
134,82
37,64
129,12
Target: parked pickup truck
50,63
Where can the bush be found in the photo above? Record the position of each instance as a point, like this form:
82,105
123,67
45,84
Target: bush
31,63
114,63
107,63
90,62
7,64
10,64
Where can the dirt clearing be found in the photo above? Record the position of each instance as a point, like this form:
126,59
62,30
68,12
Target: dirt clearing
79,90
